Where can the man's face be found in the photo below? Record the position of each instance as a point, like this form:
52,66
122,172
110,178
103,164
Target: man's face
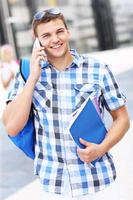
54,37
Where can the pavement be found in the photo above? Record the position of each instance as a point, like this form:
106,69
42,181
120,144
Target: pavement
17,181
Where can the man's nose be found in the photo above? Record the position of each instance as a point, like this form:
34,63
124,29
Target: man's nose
55,38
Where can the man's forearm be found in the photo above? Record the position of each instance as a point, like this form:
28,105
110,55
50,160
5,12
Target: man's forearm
17,112
116,132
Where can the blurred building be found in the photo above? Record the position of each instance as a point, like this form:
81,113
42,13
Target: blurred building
123,21
94,24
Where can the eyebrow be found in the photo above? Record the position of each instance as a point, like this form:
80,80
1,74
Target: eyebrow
47,33
61,29
43,34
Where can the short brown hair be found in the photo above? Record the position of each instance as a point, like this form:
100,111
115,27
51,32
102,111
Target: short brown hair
47,18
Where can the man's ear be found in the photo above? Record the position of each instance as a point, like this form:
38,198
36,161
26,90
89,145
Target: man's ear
69,34
33,35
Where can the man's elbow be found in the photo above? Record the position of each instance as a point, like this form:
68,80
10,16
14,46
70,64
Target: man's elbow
127,124
122,117
9,128
11,131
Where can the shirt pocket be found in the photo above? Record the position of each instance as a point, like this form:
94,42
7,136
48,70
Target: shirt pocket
83,91
42,97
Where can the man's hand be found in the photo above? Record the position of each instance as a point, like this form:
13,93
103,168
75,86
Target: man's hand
38,54
90,152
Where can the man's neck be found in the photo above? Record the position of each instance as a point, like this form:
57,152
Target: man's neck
63,62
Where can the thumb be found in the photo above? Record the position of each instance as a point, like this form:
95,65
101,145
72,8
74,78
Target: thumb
84,142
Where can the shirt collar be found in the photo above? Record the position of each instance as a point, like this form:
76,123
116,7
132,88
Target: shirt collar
77,59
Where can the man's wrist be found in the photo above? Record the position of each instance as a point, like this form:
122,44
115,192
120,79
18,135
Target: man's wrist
32,80
103,149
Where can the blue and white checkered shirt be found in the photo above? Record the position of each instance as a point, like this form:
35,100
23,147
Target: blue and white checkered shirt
56,96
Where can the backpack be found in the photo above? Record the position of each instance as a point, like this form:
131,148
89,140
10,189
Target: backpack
25,139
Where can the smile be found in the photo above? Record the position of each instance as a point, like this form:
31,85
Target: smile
56,47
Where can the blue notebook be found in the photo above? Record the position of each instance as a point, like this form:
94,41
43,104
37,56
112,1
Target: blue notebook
87,124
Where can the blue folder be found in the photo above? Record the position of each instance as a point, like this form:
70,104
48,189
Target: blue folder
87,124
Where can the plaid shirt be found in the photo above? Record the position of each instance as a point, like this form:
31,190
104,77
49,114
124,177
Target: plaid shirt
56,96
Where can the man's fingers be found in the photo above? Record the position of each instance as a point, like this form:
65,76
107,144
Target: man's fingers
38,51
39,54
39,48
82,151
83,154
84,142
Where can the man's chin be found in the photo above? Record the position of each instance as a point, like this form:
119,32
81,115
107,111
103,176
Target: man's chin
56,54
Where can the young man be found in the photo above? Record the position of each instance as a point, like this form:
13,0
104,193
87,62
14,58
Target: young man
57,90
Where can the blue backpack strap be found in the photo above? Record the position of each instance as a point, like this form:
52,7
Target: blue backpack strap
25,68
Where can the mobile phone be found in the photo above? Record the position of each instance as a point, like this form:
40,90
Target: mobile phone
37,44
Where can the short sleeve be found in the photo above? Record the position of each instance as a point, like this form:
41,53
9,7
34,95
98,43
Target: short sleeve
16,89
113,97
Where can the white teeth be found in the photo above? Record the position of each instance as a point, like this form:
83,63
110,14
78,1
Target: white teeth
55,47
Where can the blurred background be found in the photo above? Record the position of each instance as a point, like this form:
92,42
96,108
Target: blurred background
100,28
94,24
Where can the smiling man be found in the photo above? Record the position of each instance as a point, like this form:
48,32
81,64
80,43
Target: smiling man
57,89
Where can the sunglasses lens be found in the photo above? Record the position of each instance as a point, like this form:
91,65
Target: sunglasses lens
54,11
39,15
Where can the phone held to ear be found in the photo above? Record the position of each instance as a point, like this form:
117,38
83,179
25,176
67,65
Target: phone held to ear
43,63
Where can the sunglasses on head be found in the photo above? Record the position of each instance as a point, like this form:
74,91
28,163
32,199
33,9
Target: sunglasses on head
39,15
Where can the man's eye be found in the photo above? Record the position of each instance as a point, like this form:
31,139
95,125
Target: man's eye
60,31
45,36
